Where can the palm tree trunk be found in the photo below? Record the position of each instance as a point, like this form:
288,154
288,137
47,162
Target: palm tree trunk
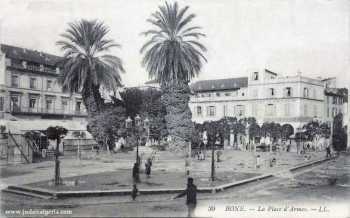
179,117
92,100
93,103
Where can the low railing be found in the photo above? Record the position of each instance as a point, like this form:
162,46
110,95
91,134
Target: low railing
46,111
33,68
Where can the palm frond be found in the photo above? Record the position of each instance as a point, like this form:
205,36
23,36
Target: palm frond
85,61
172,52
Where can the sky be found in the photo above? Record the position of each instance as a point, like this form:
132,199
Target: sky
285,36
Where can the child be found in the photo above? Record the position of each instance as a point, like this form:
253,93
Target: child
134,192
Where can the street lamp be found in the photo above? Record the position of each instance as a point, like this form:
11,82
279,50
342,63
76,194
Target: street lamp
137,130
146,126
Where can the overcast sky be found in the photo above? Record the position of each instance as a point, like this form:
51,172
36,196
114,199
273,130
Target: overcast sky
284,36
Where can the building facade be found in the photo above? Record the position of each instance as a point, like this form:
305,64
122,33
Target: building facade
269,97
29,88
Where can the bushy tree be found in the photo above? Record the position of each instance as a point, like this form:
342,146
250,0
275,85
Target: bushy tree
147,103
286,131
132,100
108,125
339,137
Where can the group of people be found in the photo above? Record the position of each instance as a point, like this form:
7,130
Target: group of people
200,155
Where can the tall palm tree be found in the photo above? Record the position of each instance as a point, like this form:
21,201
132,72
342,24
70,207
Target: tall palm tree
86,64
173,56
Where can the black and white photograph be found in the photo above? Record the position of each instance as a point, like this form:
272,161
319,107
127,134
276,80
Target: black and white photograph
175,108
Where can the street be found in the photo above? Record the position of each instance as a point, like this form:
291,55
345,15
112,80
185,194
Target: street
311,192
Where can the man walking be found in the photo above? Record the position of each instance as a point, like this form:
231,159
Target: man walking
328,150
148,165
135,173
191,193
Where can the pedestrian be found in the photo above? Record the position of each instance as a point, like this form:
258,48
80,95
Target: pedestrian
202,155
135,173
191,200
148,165
257,162
187,165
134,192
328,151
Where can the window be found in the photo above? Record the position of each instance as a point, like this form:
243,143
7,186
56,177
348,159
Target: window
224,110
32,83
1,103
287,110
8,62
49,104
255,93
227,94
306,112
64,105
239,110
211,111
218,94
306,92
315,111
270,110
328,112
15,103
49,84
255,76
209,94
334,98
32,103
199,111
78,106
314,93
15,81
254,110
334,112
288,92
272,91
242,93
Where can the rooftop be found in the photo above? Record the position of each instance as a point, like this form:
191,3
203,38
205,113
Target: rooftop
220,84
19,53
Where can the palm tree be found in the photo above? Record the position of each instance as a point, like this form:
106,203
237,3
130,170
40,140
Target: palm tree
173,56
86,66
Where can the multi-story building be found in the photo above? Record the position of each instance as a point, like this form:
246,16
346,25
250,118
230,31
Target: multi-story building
29,88
268,97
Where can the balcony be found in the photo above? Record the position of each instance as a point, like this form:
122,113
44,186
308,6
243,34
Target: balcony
46,111
33,68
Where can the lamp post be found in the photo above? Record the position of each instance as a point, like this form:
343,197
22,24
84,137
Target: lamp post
137,130
216,139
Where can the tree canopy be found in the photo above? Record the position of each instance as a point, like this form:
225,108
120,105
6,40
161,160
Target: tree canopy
86,64
173,52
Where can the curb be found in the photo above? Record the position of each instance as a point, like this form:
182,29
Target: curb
96,193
